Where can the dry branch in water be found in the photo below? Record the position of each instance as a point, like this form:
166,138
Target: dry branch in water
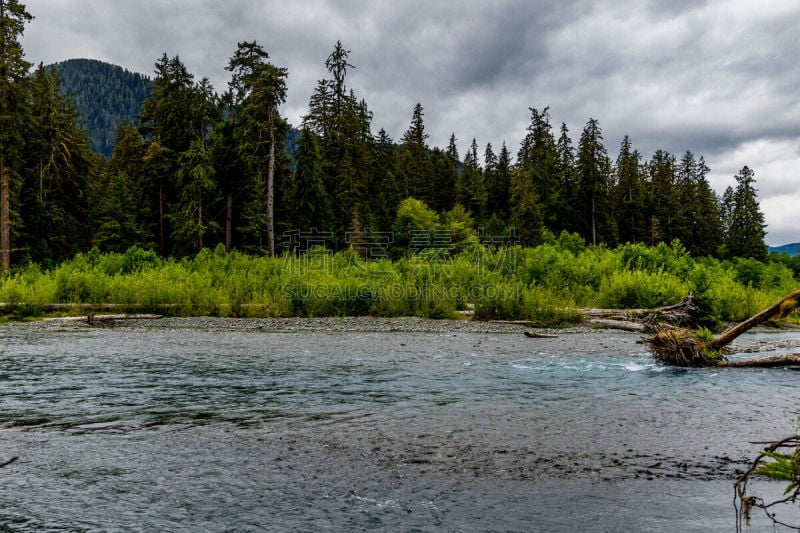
744,502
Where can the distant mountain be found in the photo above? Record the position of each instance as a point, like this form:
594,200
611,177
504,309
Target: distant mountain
791,249
105,95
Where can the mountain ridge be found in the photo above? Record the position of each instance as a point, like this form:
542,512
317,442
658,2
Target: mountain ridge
791,249
105,95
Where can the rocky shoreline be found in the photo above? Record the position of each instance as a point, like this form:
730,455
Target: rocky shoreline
327,324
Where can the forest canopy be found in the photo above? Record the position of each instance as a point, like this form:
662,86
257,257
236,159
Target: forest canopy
202,166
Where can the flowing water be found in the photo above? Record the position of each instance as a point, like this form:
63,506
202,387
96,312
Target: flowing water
164,430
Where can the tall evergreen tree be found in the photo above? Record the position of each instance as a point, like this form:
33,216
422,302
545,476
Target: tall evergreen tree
663,201
229,166
539,154
389,191
13,81
56,174
120,210
312,206
498,184
707,227
343,126
260,90
630,194
470,188
567,178
167,123
526,213
594,184
414,166
196,175
747,228
443,177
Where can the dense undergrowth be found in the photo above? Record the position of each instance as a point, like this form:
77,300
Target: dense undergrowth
546,285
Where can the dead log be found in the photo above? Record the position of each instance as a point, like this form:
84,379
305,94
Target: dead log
776,361
639,320
686,348
778,311
85,318
624,325
534,335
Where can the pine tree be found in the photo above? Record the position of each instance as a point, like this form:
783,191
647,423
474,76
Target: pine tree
470,187
312,206
118,226
594,184
196,179
343,126
260,90
168,125
443,178
229,166
567,178
539,155
57,171
413,165
13,81
630,197
120,209
526,213
747,228
663,200
707,236
498,186
389,194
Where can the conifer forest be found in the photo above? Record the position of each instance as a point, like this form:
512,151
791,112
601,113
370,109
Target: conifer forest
187,167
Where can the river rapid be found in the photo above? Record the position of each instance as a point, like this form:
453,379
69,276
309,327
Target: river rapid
219,427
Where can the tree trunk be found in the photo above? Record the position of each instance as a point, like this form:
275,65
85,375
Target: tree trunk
200,223
776,361
271,192
229,222
162,237
5,230
780,310
594,223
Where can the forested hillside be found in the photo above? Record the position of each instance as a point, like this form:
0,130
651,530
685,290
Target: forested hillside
105,95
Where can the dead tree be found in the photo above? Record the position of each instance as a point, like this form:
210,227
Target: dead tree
684,347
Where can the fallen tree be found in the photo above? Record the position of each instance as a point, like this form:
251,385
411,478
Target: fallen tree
680,314
679,346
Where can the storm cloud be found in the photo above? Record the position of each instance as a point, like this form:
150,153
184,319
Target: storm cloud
719,78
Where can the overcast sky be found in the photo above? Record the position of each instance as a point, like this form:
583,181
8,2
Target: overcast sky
720,78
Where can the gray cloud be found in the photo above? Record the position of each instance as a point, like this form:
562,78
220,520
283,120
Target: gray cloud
718,78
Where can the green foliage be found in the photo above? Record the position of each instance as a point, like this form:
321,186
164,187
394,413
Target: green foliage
544,285
784,467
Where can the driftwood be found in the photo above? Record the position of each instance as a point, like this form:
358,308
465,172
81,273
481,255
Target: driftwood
93,319
624,325
534,335
680,314
683,347
778,311
8,462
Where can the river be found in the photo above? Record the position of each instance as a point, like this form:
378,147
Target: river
182,429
